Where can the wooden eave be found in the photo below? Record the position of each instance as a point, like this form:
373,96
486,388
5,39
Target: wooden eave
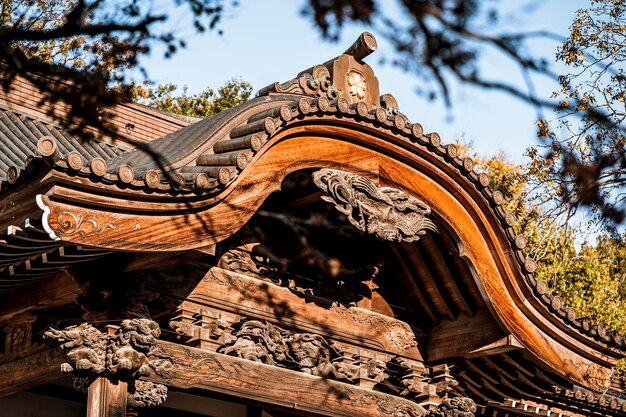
133,221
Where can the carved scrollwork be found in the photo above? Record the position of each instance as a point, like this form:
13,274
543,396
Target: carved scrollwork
313,82
70,224
455,407
384,212
398,333
123,354
391,406
260,341
146,394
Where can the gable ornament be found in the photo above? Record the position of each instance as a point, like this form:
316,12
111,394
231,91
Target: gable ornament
385,212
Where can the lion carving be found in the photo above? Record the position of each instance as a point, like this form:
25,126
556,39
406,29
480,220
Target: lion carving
123,353
86,348
129,346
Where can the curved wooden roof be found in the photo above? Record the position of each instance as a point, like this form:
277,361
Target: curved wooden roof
196,187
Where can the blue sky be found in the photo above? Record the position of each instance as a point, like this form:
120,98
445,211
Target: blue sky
265,41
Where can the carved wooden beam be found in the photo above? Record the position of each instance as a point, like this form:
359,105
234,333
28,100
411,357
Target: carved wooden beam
30,371
185,367
237,295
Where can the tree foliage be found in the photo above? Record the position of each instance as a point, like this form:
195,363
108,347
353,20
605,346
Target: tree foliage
586,154
95,42
45,15
204,104
90,44
591,279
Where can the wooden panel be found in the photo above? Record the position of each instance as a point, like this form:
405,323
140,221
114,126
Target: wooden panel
240,294
30,371
454,339
298,392
48,293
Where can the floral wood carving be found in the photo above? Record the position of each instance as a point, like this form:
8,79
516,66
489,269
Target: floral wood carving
70,224
356,84
305,352
384,212
146,394
123,354
18,335
391,406
455,407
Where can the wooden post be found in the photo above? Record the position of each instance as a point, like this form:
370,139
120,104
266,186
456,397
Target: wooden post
107,398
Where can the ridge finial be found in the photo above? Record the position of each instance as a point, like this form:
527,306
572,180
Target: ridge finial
363,46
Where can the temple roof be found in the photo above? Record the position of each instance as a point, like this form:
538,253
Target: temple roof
94,198
19,134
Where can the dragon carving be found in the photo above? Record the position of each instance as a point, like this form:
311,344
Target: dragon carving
85,346
385,212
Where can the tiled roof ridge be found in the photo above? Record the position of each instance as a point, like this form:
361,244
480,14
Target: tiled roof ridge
148,109
20,133
604,400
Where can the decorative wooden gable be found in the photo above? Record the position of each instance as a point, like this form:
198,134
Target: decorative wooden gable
312,238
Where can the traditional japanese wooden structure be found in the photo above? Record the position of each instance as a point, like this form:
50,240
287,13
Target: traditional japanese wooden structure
308,252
